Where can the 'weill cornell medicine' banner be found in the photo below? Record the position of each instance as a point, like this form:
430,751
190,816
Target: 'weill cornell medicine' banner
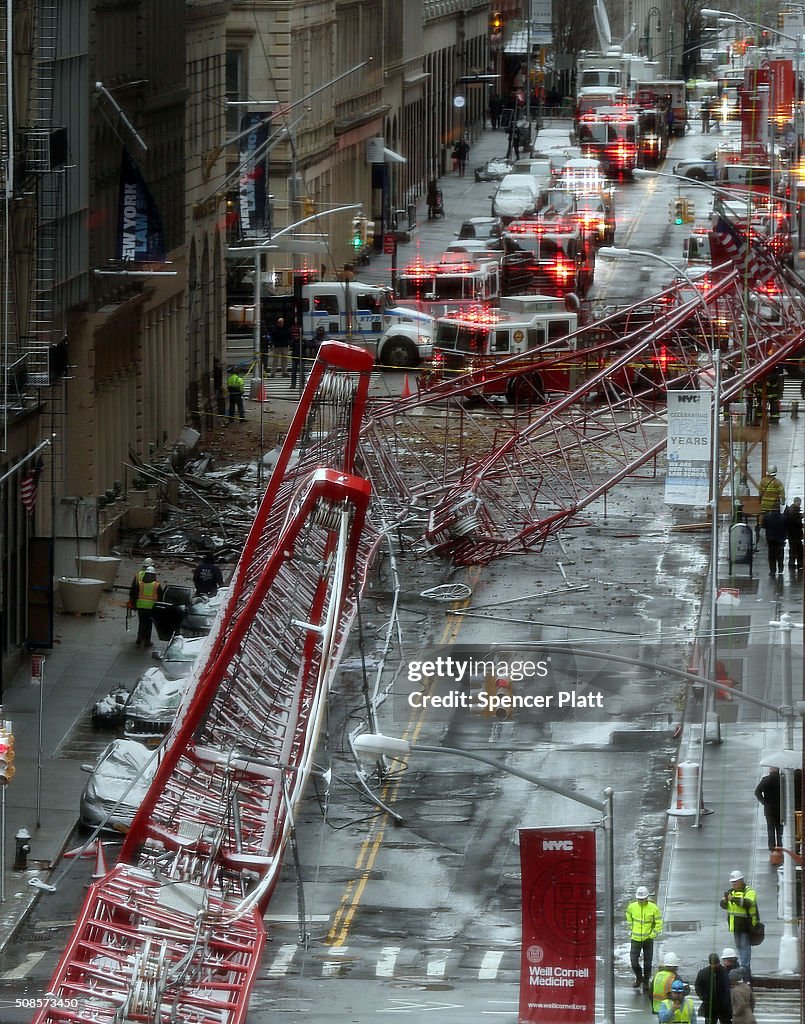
687,480
557,964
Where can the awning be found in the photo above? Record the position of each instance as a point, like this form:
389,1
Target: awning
390,157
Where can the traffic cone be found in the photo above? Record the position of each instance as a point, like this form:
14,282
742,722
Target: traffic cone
261,390
101,867
406,388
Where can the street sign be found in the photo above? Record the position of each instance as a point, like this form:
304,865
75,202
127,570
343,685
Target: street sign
389,244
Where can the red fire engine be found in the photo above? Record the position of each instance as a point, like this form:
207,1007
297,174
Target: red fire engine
456,280
547,257
488,342
610,135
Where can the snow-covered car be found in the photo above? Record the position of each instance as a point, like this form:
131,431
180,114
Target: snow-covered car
702,168
152,706
116,786
495,169
201,613
516,197
179,656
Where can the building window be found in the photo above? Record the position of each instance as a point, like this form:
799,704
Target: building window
235,88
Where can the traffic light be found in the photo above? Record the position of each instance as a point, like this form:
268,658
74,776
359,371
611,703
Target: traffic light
496,23
678,211
308,206
7,769
780,19
359,231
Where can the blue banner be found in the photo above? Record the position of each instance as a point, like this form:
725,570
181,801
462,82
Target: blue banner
140,234
253,172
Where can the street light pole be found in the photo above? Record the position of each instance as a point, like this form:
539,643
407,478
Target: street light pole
377,745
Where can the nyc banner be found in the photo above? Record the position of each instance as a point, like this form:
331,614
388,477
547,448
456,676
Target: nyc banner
557,964
140,234
687,478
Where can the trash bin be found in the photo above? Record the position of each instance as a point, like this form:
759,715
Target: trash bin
741,545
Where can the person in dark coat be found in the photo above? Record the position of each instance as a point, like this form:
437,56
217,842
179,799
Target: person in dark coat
774,527
793,529
712,986
767,792
207,577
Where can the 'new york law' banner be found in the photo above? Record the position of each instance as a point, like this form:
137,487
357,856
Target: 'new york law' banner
140,234
557,968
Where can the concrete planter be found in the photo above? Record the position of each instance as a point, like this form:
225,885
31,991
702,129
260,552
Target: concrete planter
100,567
80,596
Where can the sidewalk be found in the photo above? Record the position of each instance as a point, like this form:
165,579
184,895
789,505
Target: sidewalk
697,861
92,654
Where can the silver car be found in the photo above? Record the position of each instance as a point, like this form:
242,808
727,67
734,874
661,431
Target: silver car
116,786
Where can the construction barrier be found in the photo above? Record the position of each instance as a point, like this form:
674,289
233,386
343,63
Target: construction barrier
685,790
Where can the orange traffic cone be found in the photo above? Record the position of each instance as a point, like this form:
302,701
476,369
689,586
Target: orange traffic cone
101,867
261,390
406,388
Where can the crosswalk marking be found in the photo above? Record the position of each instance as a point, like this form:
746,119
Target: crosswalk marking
333,965
387,961
438,965
490,964
282,960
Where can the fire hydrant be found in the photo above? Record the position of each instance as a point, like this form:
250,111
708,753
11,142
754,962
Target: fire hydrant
22,849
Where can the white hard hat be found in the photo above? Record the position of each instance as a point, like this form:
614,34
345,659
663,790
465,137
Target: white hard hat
736,876
772,470
670,960
642,893
148,563
728,953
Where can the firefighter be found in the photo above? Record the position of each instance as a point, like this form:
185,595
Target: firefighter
774,392
144,593
770,491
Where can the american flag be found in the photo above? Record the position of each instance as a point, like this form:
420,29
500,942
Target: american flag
748,257
29,486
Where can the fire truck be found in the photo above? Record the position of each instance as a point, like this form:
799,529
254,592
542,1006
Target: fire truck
610,135
547,256
455,281
535,327
661,94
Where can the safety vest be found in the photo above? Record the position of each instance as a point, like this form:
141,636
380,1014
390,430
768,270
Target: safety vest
644,920
741,907
772,493
684,1012
235,383
660,987
147,594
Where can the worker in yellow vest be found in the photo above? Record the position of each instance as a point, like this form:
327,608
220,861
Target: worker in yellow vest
645,923
144,593
678,1007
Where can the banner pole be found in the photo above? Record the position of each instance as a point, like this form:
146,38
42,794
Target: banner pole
609,909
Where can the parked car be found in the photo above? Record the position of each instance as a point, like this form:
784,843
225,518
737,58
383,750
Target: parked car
116,786
179,656
488,230
493,170
516,197
702,168
152,706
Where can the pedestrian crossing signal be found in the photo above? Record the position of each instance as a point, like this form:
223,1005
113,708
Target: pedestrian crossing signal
7,769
